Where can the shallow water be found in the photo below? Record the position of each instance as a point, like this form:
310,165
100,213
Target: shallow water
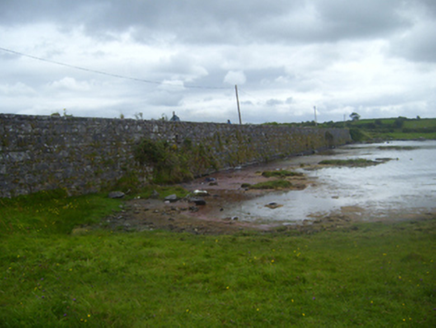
404,185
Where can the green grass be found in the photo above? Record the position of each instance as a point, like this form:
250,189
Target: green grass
274,184
407,136
400,128
163,191
420,124
280,174
397,148
349,162
50,212
369,274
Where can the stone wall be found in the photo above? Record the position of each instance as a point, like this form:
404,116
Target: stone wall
88,154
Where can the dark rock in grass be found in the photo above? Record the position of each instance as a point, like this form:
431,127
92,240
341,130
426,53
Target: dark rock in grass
154,194
197,201
171,198
116,194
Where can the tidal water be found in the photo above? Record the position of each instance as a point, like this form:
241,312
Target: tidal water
402,186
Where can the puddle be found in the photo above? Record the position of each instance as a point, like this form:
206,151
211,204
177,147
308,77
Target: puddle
404,185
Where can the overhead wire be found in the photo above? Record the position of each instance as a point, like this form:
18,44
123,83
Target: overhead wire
247,94
108,74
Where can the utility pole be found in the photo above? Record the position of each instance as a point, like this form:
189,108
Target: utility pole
314,109
237,102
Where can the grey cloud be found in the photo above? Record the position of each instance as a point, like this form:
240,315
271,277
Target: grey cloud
292,53
370,18
273,102
181,66
266,75
225,21
27,11
419,44
164,99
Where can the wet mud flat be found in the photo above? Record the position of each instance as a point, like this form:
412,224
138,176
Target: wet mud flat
225,190
184,215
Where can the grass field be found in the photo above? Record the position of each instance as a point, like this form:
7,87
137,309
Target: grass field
406,135
58,271
420,124
399,128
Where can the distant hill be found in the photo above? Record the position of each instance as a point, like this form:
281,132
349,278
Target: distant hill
400,128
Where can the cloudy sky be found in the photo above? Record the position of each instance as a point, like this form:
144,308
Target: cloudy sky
104,58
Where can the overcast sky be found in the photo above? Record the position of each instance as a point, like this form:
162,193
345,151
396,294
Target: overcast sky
373,57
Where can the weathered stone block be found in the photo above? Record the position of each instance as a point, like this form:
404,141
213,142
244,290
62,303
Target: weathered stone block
84,154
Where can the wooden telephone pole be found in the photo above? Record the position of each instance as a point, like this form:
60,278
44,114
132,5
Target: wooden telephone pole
237,102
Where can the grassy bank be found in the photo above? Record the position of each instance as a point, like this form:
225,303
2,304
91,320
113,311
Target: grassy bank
400,128
52,275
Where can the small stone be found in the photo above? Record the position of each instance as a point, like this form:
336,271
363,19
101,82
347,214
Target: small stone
193,209
116,194
171,198
154,194
197,201
201,192
273,205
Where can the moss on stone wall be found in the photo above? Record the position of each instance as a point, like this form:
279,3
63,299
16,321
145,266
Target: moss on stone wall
88,154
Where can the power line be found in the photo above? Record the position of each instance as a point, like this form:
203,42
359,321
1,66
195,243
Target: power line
105,73
246,93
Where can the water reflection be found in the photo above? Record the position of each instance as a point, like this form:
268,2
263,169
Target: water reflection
405,184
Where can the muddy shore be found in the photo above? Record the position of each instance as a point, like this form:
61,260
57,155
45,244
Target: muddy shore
225,189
